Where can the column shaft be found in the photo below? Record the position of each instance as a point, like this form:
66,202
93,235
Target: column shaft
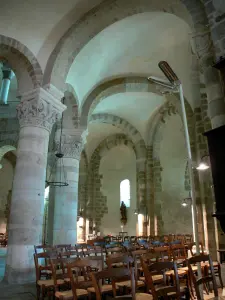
65,205
37,112
27,207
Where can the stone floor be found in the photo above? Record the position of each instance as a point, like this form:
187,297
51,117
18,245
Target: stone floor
28,292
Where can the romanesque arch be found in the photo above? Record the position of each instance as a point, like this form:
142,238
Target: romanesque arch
5,149
97,203
102,16
129,84
24,64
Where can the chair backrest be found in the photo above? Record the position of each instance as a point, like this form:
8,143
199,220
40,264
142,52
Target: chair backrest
137,262
41,264
143,243
207,264
124,259
94,251
62,247
111,250
96,263
116,275
164,252
188,238
159,268
82,267
43,248
70,254
179,252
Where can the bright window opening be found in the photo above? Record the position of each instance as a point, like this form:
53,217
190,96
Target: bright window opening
125,192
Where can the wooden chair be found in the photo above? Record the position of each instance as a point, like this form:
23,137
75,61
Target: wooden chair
164,252
216,264
137,262
110,249
163,290
78,284
70,254
44,284
43,248
116,275
62,247
207,276
150,258
124,261
179,254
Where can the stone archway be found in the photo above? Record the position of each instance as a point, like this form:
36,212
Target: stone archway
102,16
140,149
24,64
97,203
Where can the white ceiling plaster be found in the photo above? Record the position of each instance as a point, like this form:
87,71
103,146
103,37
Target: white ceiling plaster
136,108
96,134
173,152
134,45
39,24
112,160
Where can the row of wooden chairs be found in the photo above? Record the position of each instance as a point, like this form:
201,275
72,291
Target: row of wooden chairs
184,238
77,277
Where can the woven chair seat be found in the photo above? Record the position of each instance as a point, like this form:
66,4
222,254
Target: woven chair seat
49,282
104,288
128,283
69,294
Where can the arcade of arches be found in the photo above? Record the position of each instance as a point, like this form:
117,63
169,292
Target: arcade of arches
117,125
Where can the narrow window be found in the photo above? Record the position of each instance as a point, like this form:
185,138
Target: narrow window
125,192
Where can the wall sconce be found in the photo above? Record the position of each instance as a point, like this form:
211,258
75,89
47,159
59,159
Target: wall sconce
136,212
186,202
204,163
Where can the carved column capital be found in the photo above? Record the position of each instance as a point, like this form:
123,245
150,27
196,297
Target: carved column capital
204,46
72,144
39,108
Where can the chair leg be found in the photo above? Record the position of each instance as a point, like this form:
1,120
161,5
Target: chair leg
38,292
220,276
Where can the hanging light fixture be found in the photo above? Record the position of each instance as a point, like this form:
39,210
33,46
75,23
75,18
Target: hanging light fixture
58,179
203,165
186,202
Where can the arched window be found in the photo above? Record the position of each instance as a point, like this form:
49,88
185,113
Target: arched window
125,192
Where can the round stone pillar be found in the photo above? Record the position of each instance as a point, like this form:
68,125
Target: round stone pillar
37,112
64,203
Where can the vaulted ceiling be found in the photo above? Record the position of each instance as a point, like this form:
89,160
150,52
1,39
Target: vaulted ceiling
129,47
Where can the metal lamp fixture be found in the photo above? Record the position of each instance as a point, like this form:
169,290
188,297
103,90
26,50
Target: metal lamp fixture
186,202
203,165
175,85
60,180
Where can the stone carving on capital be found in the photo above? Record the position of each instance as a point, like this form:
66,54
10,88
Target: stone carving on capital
204,47
72,145
39,109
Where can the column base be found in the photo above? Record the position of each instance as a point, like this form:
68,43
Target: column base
19,276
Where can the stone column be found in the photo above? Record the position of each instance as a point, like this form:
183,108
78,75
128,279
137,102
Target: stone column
7,75
37,112
214,90
64,223
141,161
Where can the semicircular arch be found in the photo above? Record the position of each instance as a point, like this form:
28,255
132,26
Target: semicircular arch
22,61
104,15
